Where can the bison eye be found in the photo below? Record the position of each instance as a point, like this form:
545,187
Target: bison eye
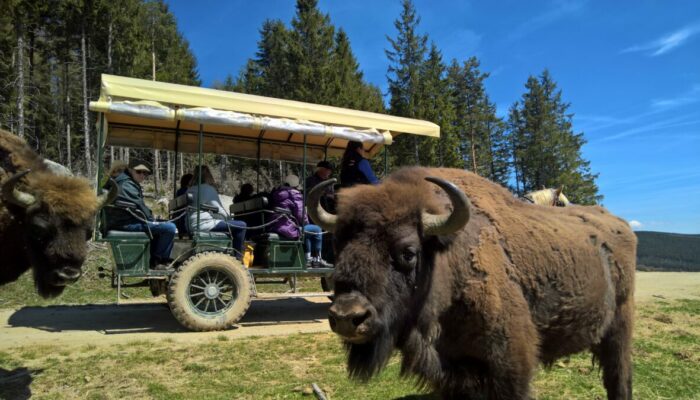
407,259
41,227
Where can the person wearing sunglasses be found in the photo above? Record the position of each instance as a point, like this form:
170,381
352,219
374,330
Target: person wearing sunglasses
139,218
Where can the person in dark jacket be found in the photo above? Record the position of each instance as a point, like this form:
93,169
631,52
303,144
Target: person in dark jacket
246,193
355,168
288,197
324,169
185,183
130,190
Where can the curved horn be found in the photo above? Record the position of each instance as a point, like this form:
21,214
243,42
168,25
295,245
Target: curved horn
445,224
107,198
320,216
14,196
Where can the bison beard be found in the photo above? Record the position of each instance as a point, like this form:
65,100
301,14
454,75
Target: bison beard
474,308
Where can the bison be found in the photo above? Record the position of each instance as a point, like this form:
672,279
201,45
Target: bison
476,287
45,218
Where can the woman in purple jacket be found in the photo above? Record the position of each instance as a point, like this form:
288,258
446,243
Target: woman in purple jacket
288,197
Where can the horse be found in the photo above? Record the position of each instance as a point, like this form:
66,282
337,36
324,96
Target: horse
548,197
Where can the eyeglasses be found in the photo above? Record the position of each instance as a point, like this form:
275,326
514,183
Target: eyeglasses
141,172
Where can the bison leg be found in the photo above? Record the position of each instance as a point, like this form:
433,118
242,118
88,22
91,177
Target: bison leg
614,353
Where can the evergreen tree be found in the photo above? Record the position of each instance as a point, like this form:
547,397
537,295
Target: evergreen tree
310,54
482,141
435,106
113,37
308,62
406,58
546,152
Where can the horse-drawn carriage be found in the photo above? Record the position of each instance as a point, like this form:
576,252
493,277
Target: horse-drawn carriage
207,286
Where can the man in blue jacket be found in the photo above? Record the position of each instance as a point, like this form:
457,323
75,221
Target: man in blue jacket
141,220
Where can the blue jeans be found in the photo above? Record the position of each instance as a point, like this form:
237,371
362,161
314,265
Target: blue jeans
236,229
313,240
163,236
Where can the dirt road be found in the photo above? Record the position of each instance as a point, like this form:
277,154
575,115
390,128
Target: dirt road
107,324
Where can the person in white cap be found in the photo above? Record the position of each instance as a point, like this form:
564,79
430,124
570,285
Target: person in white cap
130,191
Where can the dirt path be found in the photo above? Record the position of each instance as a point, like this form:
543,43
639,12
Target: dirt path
108,324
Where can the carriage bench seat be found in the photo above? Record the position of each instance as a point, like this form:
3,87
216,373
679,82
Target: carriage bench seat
250,205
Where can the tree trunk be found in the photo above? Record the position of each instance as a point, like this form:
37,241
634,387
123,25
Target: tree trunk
109,50
67,116
86,121
20,79
32,131
68,147
168,168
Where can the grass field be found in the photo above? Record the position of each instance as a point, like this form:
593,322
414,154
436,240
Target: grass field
666,358
91,289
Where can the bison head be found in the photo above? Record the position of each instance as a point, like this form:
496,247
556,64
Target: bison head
386,241
55,222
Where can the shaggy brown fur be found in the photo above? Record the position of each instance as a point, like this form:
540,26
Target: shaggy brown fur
50,235
474,313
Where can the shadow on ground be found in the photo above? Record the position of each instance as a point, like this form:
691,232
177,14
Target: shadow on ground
15,384
156,317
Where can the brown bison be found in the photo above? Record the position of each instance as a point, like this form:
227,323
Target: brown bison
45,218
476,287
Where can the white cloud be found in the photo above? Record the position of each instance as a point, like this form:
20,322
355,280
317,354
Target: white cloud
634,224
667,42
691,96
561,9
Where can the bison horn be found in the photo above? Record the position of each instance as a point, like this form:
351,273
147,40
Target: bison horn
14,196
320,216
107,198
445,224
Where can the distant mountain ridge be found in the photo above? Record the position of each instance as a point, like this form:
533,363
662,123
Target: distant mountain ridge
662,251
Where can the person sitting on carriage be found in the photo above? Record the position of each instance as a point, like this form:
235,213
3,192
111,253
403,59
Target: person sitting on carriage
290,224
140,220
185,182
219,221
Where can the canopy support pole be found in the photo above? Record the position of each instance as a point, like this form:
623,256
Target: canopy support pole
199,174
177,151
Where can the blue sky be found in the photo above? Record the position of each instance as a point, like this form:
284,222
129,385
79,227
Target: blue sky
631,71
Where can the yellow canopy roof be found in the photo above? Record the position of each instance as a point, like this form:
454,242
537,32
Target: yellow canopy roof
143,113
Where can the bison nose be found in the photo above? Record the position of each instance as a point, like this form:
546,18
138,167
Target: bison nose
348,322
69,274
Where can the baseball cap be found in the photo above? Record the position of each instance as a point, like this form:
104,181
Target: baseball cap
325,164
291,180
138,164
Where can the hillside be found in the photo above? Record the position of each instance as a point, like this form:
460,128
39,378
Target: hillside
660,251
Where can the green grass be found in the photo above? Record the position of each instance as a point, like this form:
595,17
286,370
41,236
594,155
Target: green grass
91,289
666,356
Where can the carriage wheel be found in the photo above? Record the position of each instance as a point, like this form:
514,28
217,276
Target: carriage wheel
210,291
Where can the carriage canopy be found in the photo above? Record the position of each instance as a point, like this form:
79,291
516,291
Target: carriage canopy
157,115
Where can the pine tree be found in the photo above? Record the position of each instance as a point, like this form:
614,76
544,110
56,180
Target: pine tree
406,57
310,53
308,62
435,105
545,149
481,132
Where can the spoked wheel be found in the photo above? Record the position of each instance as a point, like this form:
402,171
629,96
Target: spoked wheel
210,291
